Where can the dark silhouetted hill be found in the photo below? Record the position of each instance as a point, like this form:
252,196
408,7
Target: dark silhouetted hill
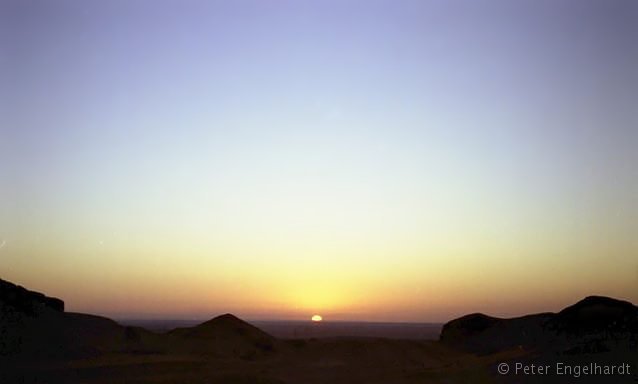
226,334
596,314
35,326
40,343
26,301
593,324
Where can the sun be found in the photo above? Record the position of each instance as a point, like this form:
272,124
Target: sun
317,318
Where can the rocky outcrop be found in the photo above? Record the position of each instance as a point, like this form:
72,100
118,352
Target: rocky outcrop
467,326
596,314
20,314
34,326
482,334
590,324
26,301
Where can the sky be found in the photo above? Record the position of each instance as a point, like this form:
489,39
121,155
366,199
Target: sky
363,160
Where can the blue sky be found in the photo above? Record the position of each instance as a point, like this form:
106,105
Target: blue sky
327,148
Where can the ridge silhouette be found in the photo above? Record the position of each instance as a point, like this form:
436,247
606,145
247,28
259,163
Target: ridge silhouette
39,342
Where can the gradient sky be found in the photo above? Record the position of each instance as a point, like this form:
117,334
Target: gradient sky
365,160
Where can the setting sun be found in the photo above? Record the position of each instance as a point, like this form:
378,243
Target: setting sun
317,318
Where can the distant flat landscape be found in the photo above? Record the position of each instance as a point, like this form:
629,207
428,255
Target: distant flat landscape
299,329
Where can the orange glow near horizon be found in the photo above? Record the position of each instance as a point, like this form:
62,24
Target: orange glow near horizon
292,158
316,318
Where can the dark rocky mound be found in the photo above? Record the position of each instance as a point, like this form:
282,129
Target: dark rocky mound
467,326
226,335
35,326
25,301
482,334
597,314
595,324
20,310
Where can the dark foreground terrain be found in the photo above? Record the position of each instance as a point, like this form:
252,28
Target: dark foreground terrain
40,343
